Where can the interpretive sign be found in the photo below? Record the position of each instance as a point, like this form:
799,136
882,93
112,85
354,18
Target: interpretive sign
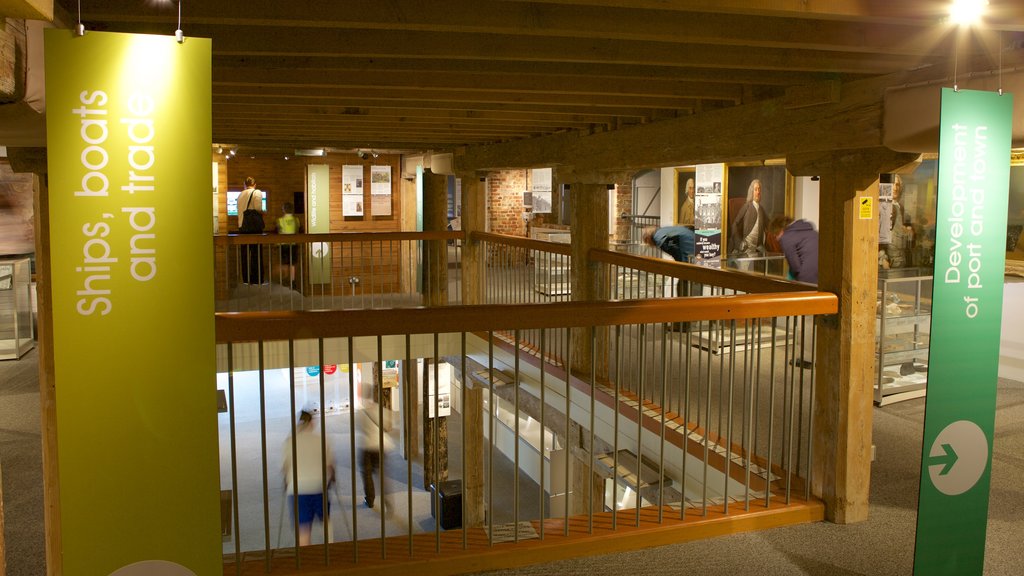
128,143
318,189
974,175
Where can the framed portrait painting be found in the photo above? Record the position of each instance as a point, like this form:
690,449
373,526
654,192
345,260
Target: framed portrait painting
755,195
685,189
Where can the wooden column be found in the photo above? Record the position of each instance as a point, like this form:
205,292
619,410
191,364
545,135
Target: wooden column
473,453
435,267
845,354
34,160
474,219
589,228
435,252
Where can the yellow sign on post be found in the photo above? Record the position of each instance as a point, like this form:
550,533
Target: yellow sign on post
128,143
866,207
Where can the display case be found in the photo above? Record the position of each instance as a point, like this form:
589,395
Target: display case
17,335
903,321
551,271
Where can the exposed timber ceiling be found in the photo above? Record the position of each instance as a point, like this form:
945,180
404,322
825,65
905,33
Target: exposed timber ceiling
417,75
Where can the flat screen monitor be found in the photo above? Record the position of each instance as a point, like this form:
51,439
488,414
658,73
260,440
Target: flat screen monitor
233,201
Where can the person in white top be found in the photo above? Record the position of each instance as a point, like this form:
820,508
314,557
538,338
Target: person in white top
305,484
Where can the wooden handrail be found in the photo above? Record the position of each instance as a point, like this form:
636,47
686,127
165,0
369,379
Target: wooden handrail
732,279
520,242
274,238
298,325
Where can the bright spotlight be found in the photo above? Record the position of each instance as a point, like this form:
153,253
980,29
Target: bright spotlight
967,12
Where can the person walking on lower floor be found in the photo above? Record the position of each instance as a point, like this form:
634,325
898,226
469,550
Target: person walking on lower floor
304,480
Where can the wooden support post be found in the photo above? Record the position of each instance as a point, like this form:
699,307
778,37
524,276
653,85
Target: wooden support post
3,561
432,473
473,454
435,257
589,229
845,355
435,252
47,383
474,218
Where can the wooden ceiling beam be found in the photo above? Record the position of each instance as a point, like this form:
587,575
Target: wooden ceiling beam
227,119
754,26
492,82
272,100
515,48
224,107
609,72
756,131
463,97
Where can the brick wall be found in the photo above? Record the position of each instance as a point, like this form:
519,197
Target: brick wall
505,192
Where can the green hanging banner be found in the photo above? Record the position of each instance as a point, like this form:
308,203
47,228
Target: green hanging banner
128,126
967,301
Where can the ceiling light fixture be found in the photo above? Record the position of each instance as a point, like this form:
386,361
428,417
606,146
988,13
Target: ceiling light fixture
967,12
310,152
178,34
80,29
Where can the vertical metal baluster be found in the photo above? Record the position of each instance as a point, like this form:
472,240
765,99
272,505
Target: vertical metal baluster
771,415
543,430
295,450
384,501
234,458
263,456
323,453
749,374
490,445
707,424
790,469
755,398
798,369
568,420
515,424
435,439
615,428
664,410
642,344
593,407
728,412
465,465
352,447
407,403
685,411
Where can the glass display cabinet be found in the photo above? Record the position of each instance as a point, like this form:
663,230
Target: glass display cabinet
17,334
903,322
552,273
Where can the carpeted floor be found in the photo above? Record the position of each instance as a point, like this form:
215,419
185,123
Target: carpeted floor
883,545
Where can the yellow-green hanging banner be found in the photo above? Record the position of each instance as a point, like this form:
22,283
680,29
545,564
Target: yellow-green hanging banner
967,309
318,177
128,143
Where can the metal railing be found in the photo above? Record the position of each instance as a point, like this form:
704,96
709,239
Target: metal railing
539,449
335,271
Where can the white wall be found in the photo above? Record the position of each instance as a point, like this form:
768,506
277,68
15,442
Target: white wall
806,199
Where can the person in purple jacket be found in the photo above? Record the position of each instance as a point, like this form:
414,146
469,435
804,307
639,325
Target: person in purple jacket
799,241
